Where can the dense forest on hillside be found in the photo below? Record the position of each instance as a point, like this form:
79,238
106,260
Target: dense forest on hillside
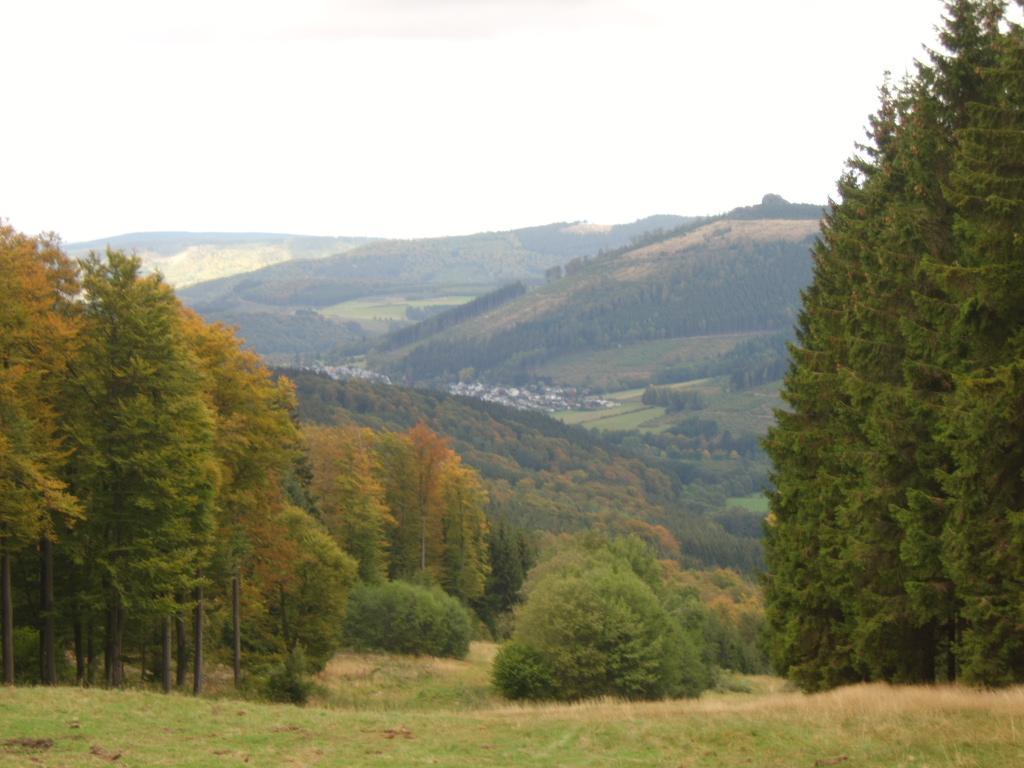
450,317
543,474
713,276
896,536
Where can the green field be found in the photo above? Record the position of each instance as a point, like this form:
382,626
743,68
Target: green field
755,502
630,414
374,311
751,411
401,711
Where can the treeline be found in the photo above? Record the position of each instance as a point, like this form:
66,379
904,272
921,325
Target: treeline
159,501
896,543
450,317
543,474
737,288
751,363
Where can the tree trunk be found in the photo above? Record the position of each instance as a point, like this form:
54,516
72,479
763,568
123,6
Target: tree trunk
118,644
47,635
236,615
90,654
423,542
284,619
79,651
951,653
165,667
197,679
7,609
108,649
182,642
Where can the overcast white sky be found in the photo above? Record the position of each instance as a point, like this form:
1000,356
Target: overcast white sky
428,117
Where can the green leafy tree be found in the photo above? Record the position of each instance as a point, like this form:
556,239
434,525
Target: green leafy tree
143,466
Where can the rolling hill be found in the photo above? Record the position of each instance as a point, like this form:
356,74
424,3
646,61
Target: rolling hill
187,258
738,276
378,286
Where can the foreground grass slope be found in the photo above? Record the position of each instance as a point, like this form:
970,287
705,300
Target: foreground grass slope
868,725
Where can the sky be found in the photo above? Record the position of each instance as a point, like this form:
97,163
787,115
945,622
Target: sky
415,118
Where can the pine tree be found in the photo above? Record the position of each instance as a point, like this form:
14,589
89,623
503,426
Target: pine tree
984,541
893,548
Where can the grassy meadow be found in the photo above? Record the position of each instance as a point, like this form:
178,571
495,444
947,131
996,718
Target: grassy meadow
750,411
377,710
380,310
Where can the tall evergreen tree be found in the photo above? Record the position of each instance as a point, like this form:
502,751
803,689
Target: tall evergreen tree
885,529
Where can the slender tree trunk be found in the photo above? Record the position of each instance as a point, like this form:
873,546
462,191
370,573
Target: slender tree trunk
182,642
47,635
79,651
108,649
197,680
236,615
165,667
7,609
90,654
951,653
284,619
423,542
118,658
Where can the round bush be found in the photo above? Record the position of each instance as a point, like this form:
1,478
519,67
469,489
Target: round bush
599,631
399,617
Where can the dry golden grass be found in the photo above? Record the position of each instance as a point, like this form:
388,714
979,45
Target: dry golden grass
863,726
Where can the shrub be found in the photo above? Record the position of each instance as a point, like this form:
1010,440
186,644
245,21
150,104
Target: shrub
591,626
520,672
289,682
399,617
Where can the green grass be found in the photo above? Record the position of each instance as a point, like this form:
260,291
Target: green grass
749,722
755,502
387,307
632,416
748,412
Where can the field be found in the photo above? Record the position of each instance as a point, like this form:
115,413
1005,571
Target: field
375,312
412,712
748,412
755,502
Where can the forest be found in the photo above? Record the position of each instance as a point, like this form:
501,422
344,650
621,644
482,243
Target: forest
170,505
896,532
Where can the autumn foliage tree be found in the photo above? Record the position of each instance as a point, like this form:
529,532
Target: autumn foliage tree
37,330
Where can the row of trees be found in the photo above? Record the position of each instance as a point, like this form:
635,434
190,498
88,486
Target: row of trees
155,488
896,538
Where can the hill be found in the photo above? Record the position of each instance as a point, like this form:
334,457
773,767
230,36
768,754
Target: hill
384,284
739,274
186,258
543,474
